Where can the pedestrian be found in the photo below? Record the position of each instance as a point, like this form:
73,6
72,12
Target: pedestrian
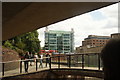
47,59
26,62
41,60
31,57
36,57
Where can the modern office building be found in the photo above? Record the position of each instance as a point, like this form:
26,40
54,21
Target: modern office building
95,41
62,41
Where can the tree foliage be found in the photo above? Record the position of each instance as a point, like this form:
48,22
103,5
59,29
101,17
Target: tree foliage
26,42
8,44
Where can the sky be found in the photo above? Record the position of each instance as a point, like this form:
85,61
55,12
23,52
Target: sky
102,22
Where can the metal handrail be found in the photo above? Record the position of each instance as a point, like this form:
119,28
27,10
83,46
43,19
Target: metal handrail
22,60
50,62
51,57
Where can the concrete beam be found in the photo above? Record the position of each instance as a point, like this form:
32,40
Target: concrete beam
40,14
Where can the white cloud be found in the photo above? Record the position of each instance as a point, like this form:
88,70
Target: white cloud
111,12
41,36
85,25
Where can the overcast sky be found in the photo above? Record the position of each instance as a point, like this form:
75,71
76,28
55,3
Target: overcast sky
103,21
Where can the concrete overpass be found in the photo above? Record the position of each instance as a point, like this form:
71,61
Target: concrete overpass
22,17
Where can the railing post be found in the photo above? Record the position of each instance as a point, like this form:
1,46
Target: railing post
69,61
50,63
46,61
36,64
20,66
98,61
88,60
59,61
82,61
3,65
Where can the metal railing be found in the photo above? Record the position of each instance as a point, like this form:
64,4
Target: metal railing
69,61
84,62
21,64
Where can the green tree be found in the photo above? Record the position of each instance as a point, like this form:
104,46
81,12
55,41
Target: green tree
8,44
27,42
32,42
20,45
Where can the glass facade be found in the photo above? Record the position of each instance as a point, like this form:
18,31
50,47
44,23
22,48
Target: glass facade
62,41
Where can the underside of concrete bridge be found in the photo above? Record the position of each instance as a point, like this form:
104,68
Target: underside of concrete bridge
22,17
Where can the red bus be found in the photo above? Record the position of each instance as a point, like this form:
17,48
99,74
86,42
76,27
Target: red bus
48,51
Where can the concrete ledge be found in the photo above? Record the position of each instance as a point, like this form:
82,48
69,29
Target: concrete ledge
57,73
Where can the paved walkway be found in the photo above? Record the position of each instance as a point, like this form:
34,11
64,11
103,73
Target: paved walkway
30,70
33,69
